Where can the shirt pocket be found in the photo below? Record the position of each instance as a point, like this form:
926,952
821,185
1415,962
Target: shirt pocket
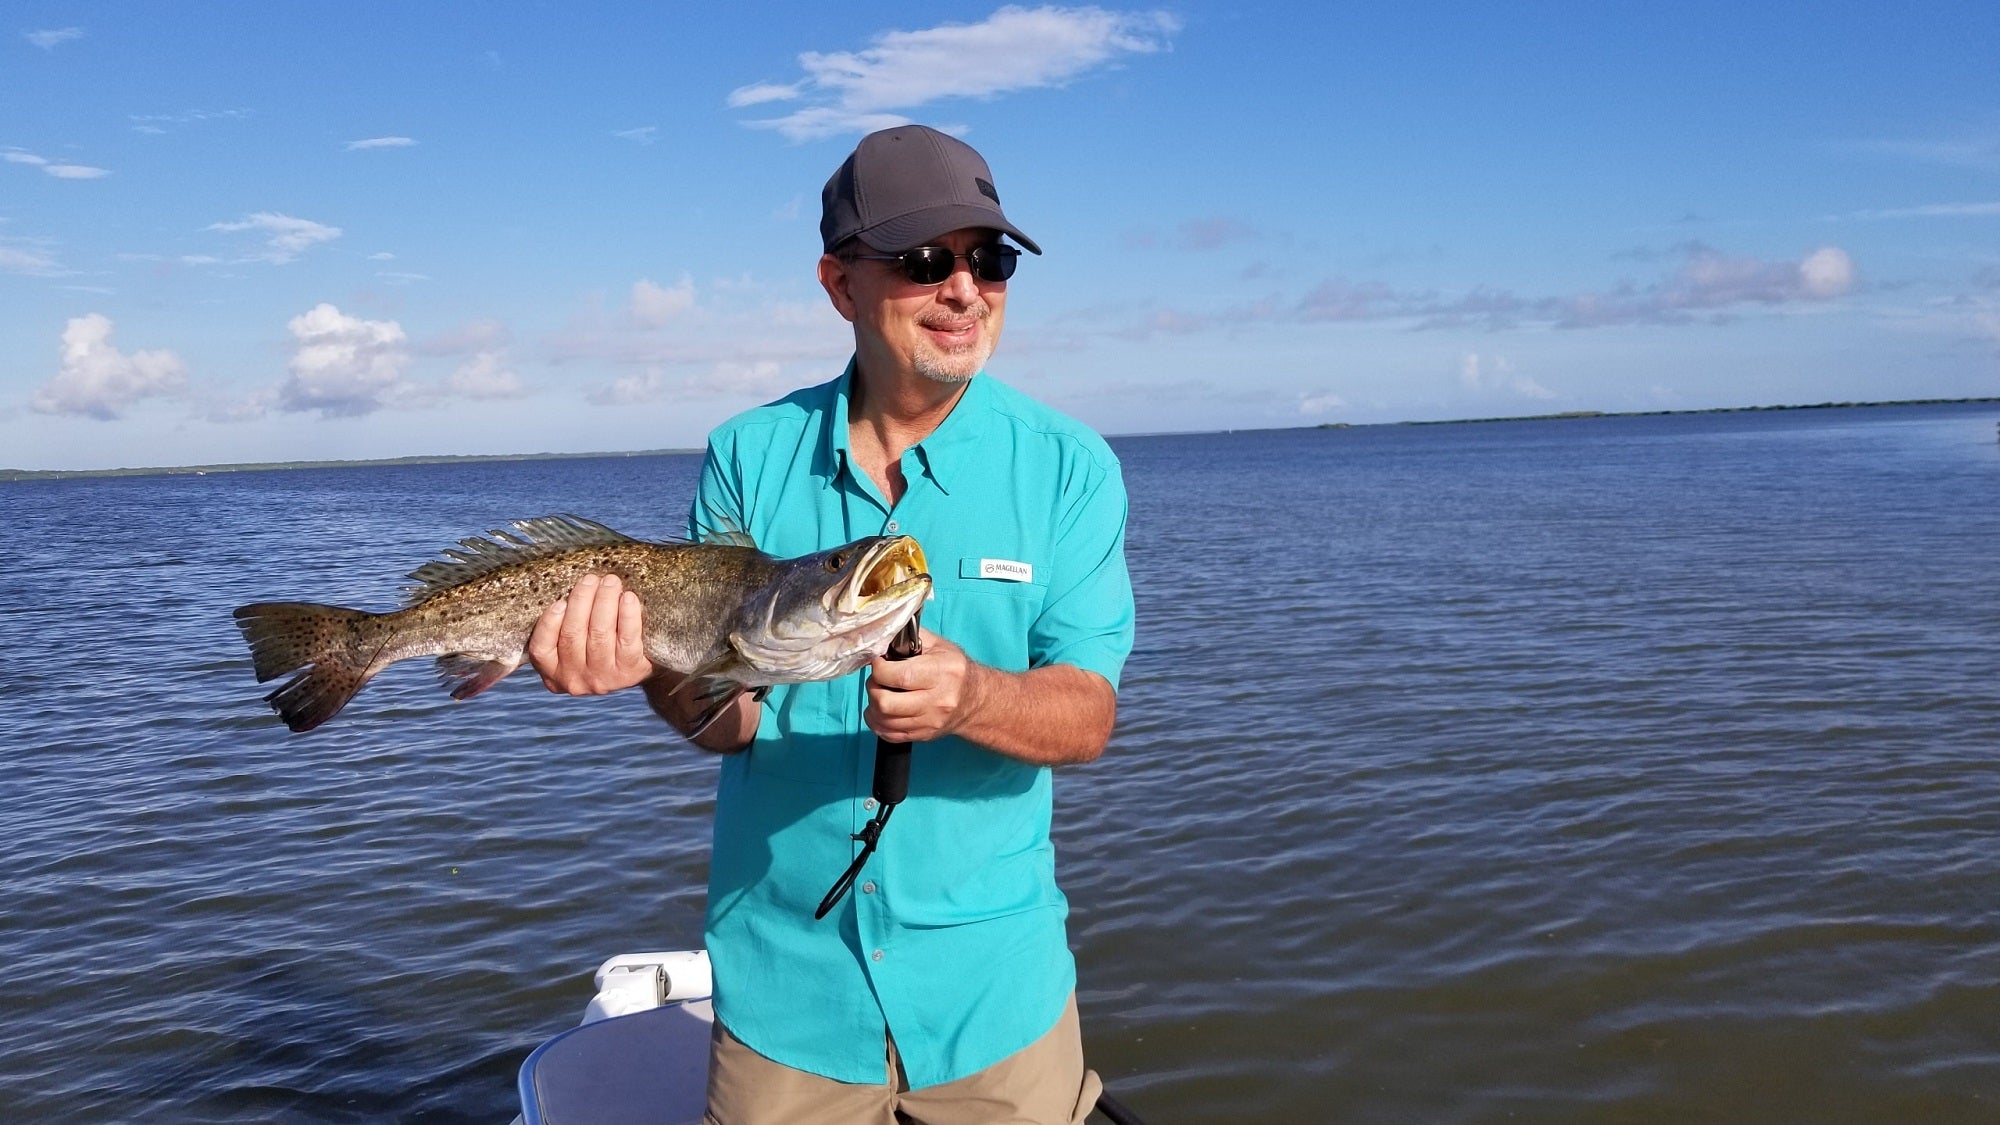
987,606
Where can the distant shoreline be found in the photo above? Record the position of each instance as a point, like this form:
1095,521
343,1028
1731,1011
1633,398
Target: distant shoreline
469,458
1568,414
271,466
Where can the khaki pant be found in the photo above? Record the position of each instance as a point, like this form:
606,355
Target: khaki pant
1044,1083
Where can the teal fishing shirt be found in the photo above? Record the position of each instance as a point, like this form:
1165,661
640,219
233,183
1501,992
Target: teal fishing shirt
952,939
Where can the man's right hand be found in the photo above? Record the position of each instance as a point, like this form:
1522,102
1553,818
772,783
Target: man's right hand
592,642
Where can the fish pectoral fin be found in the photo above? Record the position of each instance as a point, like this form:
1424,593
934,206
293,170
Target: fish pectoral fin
467,674
713,693
707,718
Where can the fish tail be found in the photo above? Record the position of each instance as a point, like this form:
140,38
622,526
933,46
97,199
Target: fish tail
325,640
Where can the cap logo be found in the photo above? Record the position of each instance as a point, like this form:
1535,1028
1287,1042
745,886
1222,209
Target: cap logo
986,189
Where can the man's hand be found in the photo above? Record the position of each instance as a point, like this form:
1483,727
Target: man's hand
926,696
592,642
1049,716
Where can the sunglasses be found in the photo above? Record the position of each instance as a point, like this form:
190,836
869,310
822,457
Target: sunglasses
932,265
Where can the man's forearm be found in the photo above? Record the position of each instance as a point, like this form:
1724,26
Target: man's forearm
1050,716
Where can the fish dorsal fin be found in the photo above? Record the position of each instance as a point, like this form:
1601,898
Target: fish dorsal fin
729,534
531,539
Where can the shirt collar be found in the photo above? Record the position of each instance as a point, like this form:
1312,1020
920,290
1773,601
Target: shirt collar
952,449
948,450
836,420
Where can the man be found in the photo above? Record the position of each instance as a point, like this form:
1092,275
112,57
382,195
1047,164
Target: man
942,990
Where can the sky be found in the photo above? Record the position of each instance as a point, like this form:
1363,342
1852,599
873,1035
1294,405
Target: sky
246,232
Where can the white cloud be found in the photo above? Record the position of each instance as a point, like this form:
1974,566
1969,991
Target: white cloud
256,405
1707,284
156,123
1468,370
1932,211
99,381
654,306
380,142
1981,153
15,260
344,365
759,93
820,122
50,167
486,375
1324,402
483,335
1826,272
631,390
730,379
644,134
737,379
1013,49
1711,279
1496,374
685,327
289,237
54,37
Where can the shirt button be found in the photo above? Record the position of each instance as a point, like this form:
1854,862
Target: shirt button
893,525
877,955
869,804
868,888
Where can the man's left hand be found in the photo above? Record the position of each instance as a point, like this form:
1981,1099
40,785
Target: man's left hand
592,642
926,696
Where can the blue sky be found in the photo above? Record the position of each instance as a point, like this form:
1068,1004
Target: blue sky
246,232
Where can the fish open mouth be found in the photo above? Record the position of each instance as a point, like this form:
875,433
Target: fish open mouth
889,570
901,560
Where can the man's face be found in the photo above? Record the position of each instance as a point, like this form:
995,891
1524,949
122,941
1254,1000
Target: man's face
942,332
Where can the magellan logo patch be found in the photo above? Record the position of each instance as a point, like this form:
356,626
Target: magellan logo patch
1007,570
986,189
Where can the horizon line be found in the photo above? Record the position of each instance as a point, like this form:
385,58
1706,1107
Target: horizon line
9,475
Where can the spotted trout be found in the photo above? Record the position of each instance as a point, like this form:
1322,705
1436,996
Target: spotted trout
724,614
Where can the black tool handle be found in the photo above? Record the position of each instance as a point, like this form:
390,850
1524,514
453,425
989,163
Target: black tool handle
892,780
892,759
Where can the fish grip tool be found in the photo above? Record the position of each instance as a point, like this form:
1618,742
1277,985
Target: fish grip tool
892,781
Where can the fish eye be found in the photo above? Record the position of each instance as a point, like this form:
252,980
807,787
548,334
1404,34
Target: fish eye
835,561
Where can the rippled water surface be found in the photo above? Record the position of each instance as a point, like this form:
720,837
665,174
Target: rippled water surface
1634,769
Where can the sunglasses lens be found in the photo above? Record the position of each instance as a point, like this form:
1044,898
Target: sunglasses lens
994,262
928,265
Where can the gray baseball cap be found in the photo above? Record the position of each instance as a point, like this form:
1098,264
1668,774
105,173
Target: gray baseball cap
902,187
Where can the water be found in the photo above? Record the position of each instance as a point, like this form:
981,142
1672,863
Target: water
1607,770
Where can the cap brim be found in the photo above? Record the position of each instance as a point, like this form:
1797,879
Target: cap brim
904,232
